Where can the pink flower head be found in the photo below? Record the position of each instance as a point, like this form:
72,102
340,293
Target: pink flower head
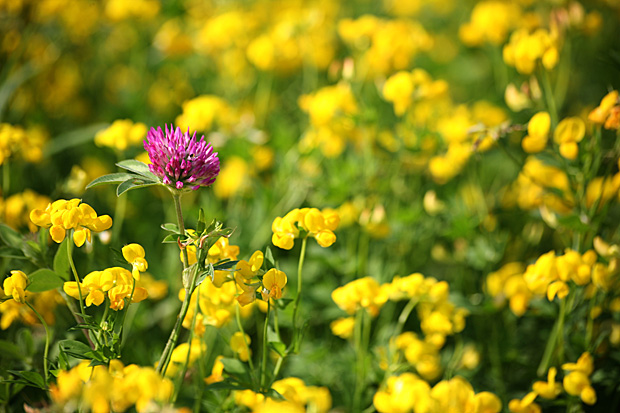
179,159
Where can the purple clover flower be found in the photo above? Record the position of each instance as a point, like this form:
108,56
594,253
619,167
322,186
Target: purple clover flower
181,160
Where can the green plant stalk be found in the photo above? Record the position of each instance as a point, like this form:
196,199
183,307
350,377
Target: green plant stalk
119,216
47,340
548,92
297,302
263,366
245,341
75,274
189,350
404,315
556,340
174,334
359,350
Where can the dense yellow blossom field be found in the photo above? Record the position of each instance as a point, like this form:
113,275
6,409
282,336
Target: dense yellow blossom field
310,206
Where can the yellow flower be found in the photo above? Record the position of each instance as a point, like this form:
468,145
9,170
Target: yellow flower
601,113
216,371
343,327
273,282
238,345
248,269
525,405
180,356
121,134
15,286
538,131
63,215
567,134
548,389
134,254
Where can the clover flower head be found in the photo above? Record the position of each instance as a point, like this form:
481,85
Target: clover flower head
180,160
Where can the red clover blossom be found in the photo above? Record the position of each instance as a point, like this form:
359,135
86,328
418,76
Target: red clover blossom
179,159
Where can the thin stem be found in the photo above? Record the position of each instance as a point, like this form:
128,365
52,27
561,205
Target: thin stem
47,340
263,367
189,350
119,216
189,289
404,315
245,341
555,341
359,350
548,92
297,302
75,274
176,196
6,177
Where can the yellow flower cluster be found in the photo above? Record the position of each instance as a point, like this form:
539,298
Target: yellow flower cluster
299,398
250,279
403,88
14,139
62,215
121,134
363,293
239,344
490,21
536,187
550,274
423,355
507,283
607,113
114,283
576,383
438,316
317,224
180,356
368,214
203,112
101,389
331,110
15,209
15,286
45,303
383,45
568,134
525,50
537,133
408,393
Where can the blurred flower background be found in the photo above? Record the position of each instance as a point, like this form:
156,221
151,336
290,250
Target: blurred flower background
473,142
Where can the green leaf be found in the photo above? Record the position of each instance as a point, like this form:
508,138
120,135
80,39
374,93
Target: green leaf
31,378
10,236
233,366
274,394
44,280
573,222
269,262
76,349
138,167
170,239
202,222
227,385
114,178
278,347
170,227
133,183
282,303
61,261
12,83
209,272
225,264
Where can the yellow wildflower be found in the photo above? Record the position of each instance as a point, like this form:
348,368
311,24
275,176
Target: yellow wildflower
15,286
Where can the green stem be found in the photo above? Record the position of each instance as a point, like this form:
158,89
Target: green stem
548,92
6,178
189,349
119,216
245,341
189,289
556,341
297,302
359,350
176,196
47,340
404,315
75,274
263,367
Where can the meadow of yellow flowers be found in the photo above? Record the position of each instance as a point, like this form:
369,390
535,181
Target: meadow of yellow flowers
310,206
